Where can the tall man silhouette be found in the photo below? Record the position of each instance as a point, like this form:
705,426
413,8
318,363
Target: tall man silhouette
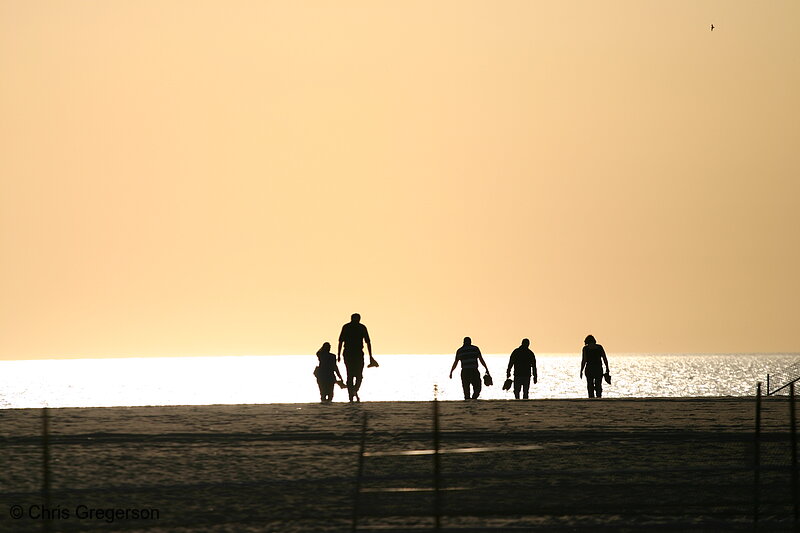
353,336
523,361
469,355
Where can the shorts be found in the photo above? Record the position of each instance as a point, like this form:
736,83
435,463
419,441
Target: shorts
354,362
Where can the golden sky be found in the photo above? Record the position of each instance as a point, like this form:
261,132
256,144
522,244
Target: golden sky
238,177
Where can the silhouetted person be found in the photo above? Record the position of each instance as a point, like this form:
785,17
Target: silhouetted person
326,372
523,360
469,355
354,334
592,362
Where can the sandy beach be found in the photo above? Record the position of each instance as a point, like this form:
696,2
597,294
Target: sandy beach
571,465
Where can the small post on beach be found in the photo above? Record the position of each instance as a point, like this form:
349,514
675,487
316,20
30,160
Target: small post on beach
361,447
767,384
437,510
46,466
793,425
757,456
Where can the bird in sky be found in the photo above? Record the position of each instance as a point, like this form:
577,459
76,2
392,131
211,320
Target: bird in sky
712,27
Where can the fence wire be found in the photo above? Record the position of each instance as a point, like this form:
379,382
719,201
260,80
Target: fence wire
779,380
503,480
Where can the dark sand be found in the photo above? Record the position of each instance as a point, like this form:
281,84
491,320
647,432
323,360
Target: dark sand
568,465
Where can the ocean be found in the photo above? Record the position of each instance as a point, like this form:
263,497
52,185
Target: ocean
288,379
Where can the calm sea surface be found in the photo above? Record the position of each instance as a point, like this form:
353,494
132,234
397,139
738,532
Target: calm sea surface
289,379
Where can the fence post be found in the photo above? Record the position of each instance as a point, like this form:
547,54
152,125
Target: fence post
436,463
793,425
360,471
757,457
46,468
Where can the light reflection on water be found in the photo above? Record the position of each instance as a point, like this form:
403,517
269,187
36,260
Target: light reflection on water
289,379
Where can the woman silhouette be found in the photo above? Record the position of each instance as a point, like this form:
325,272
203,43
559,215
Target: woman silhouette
325,373
592,361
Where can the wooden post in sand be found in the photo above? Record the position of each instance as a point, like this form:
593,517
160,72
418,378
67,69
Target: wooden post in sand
437,511
46,468
360,471
793,425
757,455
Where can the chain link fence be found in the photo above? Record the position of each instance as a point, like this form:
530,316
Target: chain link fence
482,466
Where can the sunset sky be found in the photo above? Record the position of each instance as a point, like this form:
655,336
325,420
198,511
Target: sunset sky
238,177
